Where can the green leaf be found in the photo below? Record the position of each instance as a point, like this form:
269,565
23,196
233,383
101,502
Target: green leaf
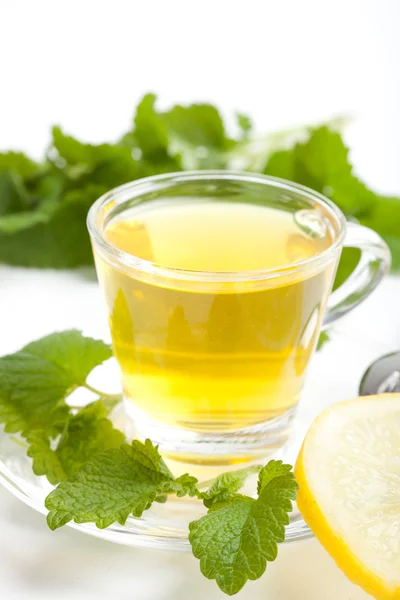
394,246
151,138
18,163
150,129
227,484
185,485
323,157
75,152
322,163
88,433
72,352
237,538
349,259
245,124
197,135
54,236
112,486
322,340
13,195
84,435
272,471
35,381
45,460
197,125
282,164
192,137
108,165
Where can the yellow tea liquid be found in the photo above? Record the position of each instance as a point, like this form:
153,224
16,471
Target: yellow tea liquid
214,356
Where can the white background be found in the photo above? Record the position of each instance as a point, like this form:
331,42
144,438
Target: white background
84,64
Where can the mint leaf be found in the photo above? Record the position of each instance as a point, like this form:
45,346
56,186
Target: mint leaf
88,433
197,134
237,538
45,460
394,247
150,130
35,381
227,484
108,165
44,205
31,393
18,163
188,137
72,352
185,485
112,486
13,195
84,435
272,471
322,163
245,124
34,384
197,125
53,236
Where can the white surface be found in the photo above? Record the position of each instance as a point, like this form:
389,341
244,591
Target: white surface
36,564
84,65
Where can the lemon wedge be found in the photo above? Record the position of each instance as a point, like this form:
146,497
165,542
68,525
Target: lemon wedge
349,475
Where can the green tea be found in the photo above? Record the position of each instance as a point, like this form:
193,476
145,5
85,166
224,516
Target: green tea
215,352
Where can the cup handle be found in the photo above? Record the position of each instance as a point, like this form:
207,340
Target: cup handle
374,263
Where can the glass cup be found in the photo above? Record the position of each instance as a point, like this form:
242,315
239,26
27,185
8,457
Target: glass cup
217,285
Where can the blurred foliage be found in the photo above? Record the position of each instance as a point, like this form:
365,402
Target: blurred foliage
43,206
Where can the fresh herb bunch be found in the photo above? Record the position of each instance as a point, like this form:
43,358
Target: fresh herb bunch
103,478
43,206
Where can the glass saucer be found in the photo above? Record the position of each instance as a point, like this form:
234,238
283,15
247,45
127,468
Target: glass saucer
165,526
162,526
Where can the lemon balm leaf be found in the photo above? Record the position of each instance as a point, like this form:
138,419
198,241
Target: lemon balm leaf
185,485
34,385
73,353
35,381
273,471
322,163
237,538
44,460
103,480
109,488
197,125
87,434
245,124
37,233
13,194
227,484
17,162
51,236
113,485
84,435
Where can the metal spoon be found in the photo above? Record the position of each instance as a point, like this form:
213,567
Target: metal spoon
382,377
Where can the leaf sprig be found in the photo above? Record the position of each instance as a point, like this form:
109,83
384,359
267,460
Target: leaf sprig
103,479
43,206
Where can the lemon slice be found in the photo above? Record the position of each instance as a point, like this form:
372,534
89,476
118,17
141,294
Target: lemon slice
349,476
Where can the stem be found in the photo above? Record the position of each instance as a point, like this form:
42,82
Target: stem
247,470
103,395
19,442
